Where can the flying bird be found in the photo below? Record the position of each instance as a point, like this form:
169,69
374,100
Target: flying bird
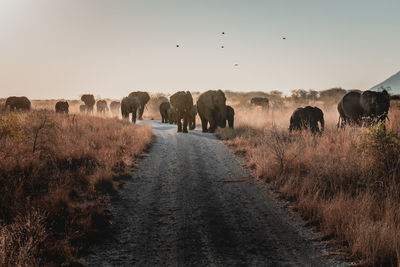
223,32
284,38
222,46
236,65
177,45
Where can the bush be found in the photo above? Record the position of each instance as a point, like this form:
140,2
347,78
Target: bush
53,171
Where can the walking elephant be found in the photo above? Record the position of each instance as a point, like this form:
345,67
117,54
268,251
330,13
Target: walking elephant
307,117
355,108
130,105
18,103
182,103
62,107
230,116
211,107
164,111
89,102
192,118
115,106
143,97
101,107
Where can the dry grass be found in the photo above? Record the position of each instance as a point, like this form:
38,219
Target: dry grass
54,170
345,183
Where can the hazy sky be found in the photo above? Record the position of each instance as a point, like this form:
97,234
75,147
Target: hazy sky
62,48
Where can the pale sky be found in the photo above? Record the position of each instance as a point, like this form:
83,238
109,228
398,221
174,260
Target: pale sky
63,48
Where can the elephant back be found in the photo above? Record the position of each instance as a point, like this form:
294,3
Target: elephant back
182,101
165,106
350,107
62,106
115,105
375,103
101,104
19,103
88,100
129,104
143,97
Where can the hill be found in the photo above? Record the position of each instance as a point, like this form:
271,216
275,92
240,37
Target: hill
392,84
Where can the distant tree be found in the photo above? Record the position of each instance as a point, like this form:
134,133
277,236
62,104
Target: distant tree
332,96
298,96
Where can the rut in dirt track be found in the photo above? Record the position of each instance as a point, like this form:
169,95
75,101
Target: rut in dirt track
177,210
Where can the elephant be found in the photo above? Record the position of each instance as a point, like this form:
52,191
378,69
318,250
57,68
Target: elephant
130,105
164,111
160,100
18,103
172,115
307,117
89,102
62,107
82,108
102,107
143,97
355,108
211,107
115,106
230,116
192,118
182,103
260,101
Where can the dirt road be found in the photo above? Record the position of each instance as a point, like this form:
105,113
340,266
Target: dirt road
181,209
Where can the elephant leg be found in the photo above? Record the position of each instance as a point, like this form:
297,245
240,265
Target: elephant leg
230,122
141,110
179,126
213,126
185,123
192,125
204,124
134,117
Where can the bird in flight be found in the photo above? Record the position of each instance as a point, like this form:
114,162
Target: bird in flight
222,46
284,38
236,65
223,32
177,45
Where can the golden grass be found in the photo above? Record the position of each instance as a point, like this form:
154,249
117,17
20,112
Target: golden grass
345,182
54,170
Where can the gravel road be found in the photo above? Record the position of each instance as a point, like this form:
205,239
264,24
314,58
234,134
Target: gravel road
190,203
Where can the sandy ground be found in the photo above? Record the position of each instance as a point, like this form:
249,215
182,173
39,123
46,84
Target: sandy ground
190,203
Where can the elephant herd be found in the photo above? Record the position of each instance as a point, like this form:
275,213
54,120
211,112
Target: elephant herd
211,108
354,108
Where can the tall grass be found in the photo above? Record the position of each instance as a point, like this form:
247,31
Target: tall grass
54,170
345,182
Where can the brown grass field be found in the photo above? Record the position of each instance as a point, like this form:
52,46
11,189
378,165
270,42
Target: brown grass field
55,174
56,171
344,183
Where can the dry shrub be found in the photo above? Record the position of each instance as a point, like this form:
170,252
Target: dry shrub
345,182
53,171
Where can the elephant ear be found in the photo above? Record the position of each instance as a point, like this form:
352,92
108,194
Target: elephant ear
222,93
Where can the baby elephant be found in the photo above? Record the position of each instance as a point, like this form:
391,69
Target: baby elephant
62,107
230,115
307,117
164,111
